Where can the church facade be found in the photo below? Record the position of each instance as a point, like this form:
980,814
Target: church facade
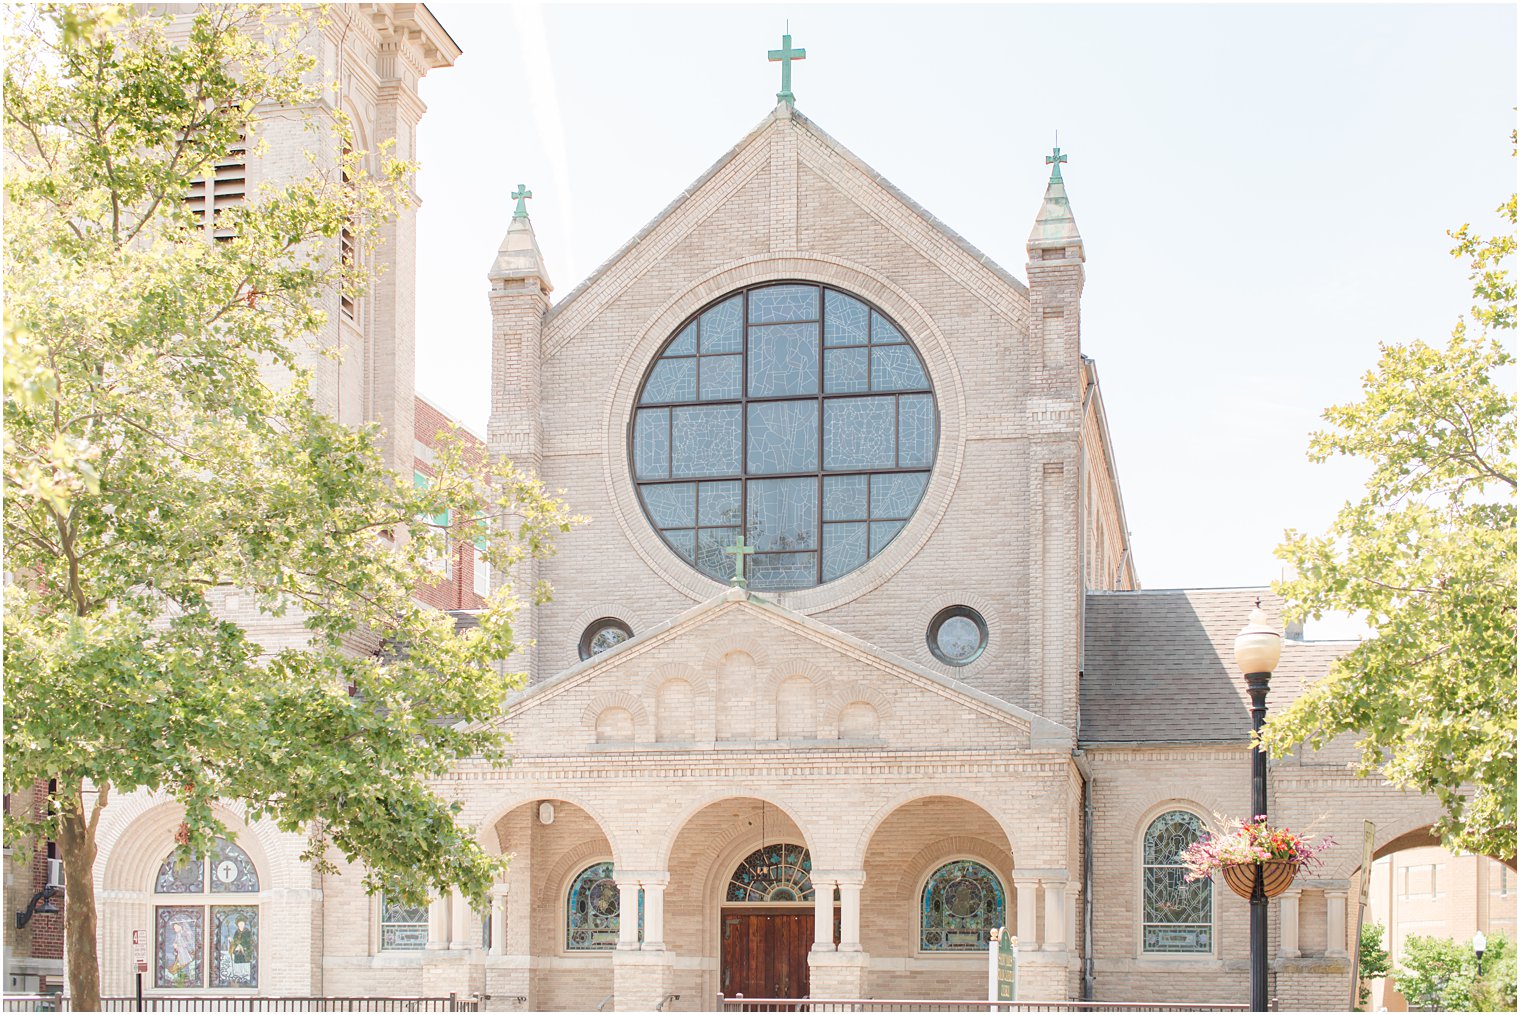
849,667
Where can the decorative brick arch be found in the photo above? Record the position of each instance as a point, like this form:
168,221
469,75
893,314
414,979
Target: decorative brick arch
132,849
925,792
746,643
617,699
679,821
932,857
700,684
485,831
570,863
830,709
782,671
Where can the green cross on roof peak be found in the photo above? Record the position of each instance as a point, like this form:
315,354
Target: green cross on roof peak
785,55
1054,160
520,195
739,551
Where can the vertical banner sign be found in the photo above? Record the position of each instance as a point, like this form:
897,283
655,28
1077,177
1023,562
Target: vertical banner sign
1007,968
1368,831
140,950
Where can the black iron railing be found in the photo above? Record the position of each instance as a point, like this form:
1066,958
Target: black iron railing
820,1004
202,1003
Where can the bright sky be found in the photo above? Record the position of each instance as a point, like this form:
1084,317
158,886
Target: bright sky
1263,192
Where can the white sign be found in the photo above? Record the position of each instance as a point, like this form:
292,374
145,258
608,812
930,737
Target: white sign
140,950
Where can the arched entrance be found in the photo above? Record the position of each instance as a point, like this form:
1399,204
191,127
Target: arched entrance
748,905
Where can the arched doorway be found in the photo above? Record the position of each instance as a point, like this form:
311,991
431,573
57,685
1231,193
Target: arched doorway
745,903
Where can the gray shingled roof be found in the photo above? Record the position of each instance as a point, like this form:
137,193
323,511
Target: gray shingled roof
1160,666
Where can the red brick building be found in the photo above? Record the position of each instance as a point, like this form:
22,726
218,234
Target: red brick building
464,578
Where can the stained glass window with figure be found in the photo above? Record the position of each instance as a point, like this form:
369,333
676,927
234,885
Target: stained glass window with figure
1178,914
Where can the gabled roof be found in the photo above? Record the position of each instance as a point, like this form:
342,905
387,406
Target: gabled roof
1043,732
1159,666
786,117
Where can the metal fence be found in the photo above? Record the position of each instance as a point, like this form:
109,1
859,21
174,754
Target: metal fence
180,1003
816,1004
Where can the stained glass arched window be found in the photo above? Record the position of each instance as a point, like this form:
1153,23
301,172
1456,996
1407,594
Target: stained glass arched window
780,872
963,900
1178,914
795,414
182,931
592,908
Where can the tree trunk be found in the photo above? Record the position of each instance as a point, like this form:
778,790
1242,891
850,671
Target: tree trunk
76,843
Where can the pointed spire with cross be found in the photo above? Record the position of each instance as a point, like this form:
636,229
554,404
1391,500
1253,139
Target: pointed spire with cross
521,195
785,55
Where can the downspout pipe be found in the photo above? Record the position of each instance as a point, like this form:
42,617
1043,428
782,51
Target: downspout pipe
1084,768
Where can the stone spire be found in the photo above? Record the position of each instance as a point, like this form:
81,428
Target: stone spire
519,259
1055,230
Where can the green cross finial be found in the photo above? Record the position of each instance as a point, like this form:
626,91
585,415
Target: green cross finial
1054,161
521,195
786,54
739,551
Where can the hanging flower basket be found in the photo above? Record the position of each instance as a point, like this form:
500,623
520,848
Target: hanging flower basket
1237,852
1276,877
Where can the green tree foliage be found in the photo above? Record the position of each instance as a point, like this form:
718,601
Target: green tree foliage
1373,962
152,470
1440,973
1428,555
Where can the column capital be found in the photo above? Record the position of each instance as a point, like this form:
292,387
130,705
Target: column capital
643,878
500,888
838,875
1032,875
1335,893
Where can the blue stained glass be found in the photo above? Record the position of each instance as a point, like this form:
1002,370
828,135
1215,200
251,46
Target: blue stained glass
651,444
718,503
844,319
723,325
916,430
671,380
232,869
783,514
844,498
722,377
783,303
705,440
234,946
896,368
882,331
783,360
962,901
711,559
896,494
681,541
671,505
783,437
778,872
592,907
846,370
783,570
883,533
844,548
181,874
180,945
858,433
685,343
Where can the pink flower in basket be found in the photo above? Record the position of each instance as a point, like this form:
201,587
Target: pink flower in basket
1251,842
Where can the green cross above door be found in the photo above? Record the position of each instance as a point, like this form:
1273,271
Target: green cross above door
785,55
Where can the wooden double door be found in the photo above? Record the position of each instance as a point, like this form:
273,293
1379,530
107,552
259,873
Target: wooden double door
765,952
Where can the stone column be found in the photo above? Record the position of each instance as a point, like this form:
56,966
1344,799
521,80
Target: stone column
459,922
841,972
1055,916
498,919
438,924
628,915
1024,889
654,912
1287,924
1335,922
823,916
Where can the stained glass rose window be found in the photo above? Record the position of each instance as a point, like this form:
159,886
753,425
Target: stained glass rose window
795,415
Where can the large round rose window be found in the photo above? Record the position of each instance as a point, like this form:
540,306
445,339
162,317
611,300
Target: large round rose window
796,415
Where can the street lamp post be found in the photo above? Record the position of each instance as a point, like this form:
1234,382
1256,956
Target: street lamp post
1257,649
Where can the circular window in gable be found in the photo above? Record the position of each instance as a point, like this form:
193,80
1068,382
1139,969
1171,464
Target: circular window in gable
957,635
604,634
794,416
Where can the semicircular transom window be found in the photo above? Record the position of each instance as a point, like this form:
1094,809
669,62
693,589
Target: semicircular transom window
780,872
794,415
963,901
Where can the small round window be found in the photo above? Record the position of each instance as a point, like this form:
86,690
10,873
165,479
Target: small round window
604,634
957,635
